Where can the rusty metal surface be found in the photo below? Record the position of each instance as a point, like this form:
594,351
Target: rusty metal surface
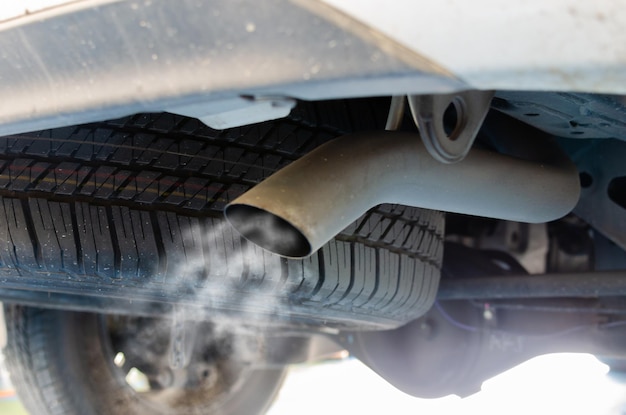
304,205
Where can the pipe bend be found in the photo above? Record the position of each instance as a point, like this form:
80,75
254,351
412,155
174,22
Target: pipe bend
301,207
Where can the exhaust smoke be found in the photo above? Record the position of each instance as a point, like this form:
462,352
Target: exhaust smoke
269,231
237,285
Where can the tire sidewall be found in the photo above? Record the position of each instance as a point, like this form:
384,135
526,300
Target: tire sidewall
87,383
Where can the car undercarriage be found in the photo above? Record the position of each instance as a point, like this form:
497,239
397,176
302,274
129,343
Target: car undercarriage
209,203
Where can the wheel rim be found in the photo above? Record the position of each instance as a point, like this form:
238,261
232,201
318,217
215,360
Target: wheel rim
207,384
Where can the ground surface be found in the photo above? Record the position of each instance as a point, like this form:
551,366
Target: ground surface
564,383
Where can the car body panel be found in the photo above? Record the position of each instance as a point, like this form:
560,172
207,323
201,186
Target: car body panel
91,60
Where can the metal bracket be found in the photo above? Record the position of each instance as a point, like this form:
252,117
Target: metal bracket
464,110
603,185
396,113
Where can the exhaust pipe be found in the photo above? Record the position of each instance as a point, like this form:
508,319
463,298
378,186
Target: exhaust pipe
301,207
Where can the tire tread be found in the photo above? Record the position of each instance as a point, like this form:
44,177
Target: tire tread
135,207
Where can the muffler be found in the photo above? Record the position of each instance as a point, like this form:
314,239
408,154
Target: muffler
301,207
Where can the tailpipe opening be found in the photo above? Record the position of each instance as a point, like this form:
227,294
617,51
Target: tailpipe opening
268,231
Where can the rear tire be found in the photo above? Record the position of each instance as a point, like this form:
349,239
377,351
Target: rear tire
132,208
61,364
